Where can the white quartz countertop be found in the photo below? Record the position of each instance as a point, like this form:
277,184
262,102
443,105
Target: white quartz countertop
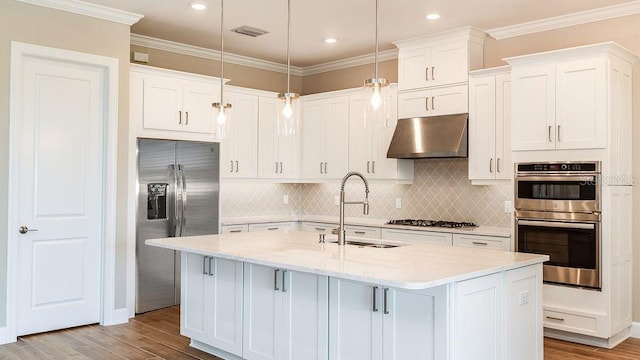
381,223
410,266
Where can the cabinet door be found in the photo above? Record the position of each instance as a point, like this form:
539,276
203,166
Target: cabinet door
412,68
268,166
449,63
194,281
305,316
162,104
482,127
415,324
581,101
414,104
360,138
262,313
336,137
504,167
196,107
224,298
382,167
355,322
477,322
533,107
450,100
288,150
313,139
244,132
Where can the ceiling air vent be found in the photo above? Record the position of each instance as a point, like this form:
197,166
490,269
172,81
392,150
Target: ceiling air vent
249,31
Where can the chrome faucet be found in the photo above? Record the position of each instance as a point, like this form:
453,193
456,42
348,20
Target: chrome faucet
365,204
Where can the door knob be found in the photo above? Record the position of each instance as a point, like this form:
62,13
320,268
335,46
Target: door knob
23,229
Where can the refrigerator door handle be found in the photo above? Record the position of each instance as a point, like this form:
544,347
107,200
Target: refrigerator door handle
176,218
183,211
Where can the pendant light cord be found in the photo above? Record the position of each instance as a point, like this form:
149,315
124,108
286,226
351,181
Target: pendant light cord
288,44
221,55
376,55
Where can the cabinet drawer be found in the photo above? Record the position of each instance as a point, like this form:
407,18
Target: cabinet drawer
434,237
228,229
486,242
362,231
322,228
583,324
288,225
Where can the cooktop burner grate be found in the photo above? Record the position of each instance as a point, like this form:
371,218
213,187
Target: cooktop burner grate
431,223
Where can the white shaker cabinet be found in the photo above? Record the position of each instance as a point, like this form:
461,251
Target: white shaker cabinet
433,102
285,314
325,137
239,147
368,146
368,321
489,125
277,154
211,298
561,104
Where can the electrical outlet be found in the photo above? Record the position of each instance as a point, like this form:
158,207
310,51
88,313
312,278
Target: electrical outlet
398,203
336,201
508,207
285,199
524,297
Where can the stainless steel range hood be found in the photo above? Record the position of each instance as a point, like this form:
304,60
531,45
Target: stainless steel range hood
442,136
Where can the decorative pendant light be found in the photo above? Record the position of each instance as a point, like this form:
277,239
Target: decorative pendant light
287,109
375,94
223,108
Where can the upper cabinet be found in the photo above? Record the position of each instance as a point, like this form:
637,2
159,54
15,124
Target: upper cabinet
432,102
239,147
171,104
368,145
325,137
277,154
562,99
439,60
489,124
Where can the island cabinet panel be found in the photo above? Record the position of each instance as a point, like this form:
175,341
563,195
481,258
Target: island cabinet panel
285,314
211,313
368,321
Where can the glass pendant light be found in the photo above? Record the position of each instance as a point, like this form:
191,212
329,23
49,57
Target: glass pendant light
288,104
223,108
375,94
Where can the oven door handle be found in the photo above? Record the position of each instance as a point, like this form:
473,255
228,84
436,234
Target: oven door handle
580,178
557,224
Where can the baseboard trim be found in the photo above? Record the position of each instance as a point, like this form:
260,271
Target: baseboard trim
3,336
119,316
635,330
608,343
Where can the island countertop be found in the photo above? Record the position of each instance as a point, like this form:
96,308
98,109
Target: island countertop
413,265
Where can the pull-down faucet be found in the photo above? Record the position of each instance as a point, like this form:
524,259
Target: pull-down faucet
365,204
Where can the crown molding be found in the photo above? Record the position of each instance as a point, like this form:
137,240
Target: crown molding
578,18
350,62
87,9
190,50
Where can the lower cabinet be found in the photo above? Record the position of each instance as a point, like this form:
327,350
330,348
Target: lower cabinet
285,314
211,313
368,321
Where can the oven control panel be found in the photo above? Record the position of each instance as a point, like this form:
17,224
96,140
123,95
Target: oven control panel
559,167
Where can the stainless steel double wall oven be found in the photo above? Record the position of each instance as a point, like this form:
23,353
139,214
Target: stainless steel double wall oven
557,213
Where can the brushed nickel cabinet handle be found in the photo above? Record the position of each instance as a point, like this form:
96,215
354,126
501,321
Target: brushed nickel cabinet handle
280,167
426,103
275,162
368,163
320,229
231,161
433,103
272,228
321,168
275,280
498,165
491,165
186,113
360,232
558,134
211,272
426,73
179,117
554,318
384,300
284,281
236,165
325,167
204,265
373,167
375,305
235,231
550,140
479,243
433,73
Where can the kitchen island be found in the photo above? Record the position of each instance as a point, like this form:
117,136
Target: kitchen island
284,295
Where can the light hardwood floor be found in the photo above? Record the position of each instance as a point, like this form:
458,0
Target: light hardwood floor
156,335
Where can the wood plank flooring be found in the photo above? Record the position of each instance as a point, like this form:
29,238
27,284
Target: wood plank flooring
156,335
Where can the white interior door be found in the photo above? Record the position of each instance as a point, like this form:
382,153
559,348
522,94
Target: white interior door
60,199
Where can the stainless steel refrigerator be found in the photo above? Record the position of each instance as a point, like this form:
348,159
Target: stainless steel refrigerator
178,192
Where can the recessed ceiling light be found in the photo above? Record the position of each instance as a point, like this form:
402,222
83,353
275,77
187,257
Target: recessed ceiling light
433,16
330,40
198,6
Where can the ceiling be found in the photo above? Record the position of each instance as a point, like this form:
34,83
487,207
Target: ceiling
352,22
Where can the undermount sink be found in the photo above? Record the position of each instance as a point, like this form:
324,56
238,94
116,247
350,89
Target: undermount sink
369,244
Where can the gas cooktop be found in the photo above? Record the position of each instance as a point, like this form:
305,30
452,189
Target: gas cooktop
432,223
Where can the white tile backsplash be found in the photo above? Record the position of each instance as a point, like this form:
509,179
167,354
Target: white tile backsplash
441,190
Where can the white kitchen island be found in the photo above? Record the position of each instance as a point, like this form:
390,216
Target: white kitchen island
284,295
